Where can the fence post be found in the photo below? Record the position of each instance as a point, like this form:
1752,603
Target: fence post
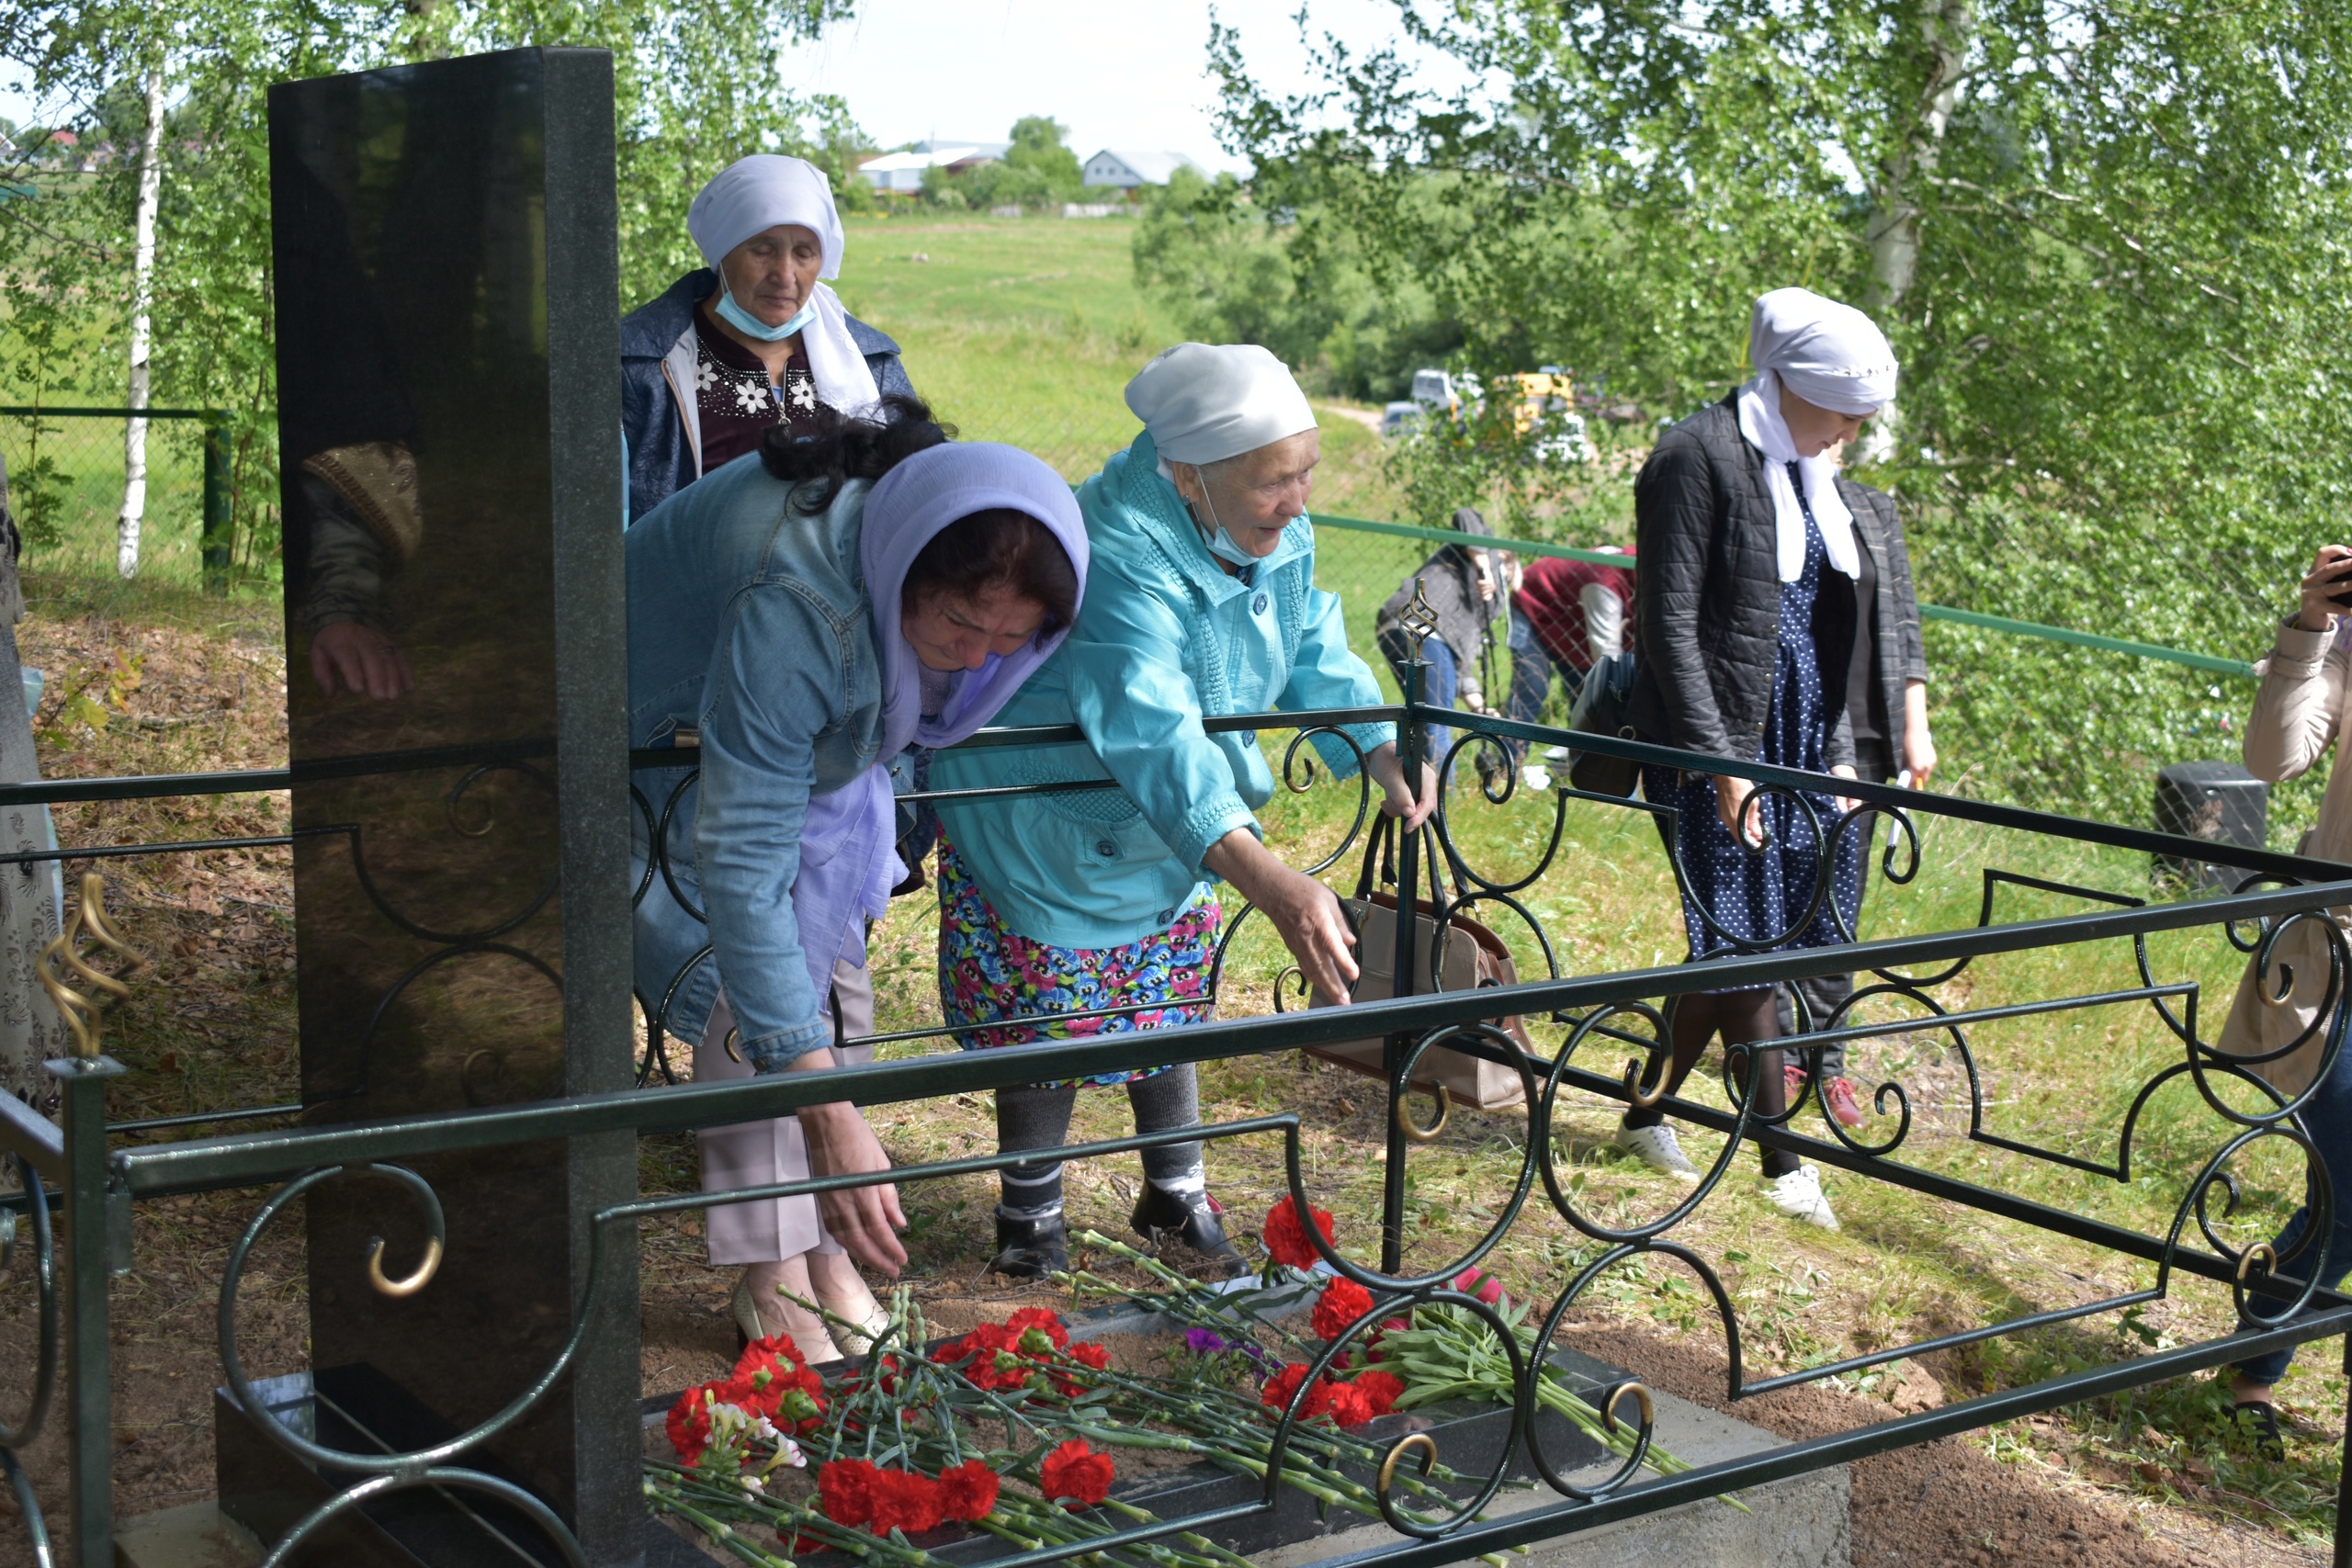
1411,741
220,528
89,1269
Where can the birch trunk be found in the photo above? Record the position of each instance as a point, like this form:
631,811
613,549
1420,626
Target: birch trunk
1948,28
142,290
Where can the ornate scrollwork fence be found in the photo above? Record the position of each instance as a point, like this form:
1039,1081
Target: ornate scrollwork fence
1585,1020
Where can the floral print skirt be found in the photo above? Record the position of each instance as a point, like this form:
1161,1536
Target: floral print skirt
988,972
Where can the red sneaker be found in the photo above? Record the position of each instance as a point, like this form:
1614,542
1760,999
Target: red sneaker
1840,1097
1793,1075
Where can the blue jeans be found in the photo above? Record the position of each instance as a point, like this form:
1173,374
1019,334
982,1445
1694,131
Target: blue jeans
2328,1119
1532,667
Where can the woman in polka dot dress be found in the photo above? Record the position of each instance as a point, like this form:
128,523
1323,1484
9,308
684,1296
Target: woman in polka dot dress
1748,555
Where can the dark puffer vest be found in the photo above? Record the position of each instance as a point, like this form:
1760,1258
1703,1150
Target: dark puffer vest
1710,590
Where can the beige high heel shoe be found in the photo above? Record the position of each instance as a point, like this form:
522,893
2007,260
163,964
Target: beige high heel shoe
749,1326
870,1316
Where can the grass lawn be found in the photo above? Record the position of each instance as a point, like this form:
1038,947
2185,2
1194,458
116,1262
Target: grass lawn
1026,331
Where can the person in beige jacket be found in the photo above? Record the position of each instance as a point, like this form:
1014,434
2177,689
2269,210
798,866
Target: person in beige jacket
2301,708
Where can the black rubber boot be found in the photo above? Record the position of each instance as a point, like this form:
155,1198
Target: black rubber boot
1029,1250
1162,1216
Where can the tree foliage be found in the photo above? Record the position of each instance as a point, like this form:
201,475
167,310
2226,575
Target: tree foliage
1038,171
1237,271
2108,243
697,87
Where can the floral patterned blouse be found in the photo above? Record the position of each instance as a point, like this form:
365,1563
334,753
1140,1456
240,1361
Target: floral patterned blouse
734,401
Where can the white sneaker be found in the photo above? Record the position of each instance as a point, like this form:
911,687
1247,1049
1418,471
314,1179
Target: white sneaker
1655,1147
1799,1196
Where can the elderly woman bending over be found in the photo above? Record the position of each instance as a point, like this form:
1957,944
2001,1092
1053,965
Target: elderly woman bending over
799,620
1202,604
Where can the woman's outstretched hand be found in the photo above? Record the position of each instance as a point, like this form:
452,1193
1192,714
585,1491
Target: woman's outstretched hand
1410,807
865,1220
1306,913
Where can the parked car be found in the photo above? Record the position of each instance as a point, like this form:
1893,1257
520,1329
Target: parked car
1547,394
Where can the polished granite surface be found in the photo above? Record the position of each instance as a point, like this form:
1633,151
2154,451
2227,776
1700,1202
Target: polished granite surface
448,356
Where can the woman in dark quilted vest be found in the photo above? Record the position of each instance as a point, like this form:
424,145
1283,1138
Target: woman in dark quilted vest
1750,546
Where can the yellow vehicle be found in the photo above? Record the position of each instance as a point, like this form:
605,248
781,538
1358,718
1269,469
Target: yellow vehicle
1550,394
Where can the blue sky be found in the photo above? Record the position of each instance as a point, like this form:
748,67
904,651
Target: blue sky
1127,75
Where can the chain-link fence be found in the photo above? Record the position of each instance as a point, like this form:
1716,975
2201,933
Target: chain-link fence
66,473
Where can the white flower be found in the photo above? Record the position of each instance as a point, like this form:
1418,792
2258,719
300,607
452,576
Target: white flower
705,375
804,396
750,397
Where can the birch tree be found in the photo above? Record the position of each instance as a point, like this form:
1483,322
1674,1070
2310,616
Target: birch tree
143,302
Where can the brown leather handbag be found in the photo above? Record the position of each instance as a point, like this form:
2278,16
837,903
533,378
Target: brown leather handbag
1473,957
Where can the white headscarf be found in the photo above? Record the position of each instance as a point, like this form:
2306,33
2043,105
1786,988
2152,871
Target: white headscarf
753,194
1206,401
1832,356
847,861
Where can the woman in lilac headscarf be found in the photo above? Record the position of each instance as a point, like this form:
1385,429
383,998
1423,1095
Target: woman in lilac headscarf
800,621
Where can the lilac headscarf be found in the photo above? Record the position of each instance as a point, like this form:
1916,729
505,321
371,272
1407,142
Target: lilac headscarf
847,864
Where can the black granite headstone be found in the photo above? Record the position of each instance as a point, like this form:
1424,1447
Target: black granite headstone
446,287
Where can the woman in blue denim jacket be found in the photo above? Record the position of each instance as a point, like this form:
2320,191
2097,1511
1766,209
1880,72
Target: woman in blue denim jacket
1202,604
797,621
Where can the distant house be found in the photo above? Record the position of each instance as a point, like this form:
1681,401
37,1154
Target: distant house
901,173
1125,171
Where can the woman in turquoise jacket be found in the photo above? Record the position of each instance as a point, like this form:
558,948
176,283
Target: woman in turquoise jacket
1200,602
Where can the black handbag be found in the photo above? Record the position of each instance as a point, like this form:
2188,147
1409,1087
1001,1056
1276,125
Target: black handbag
1603,706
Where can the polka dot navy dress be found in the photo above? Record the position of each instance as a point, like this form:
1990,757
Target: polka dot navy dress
1754,896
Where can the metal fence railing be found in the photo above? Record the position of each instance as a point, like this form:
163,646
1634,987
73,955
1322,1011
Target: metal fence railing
65,482
1604,1006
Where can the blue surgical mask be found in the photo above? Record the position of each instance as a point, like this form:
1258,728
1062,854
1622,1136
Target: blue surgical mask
1223,546
742,320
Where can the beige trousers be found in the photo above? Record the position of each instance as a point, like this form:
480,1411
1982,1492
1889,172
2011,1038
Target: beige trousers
761,1153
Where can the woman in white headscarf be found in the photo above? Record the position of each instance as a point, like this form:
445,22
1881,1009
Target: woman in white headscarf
1104,903
1750,546
753,339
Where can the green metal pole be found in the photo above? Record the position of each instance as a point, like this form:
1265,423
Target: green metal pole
89,1269
1412,745
220,529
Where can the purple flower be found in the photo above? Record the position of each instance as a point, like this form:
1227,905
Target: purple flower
1205,1341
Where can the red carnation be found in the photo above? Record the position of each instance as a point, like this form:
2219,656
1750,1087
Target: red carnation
1044,1323
1381,1391
689,1425
774,1348
845,1491
1282,1385
1341,1302
1285,1236
1076,1473
904,1501
1342,1402
967,1491
1480,1283
1091,1355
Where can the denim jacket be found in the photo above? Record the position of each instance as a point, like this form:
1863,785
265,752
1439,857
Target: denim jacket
1165,639
748,627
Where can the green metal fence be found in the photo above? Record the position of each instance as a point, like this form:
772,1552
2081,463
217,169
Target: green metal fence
1603,1010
